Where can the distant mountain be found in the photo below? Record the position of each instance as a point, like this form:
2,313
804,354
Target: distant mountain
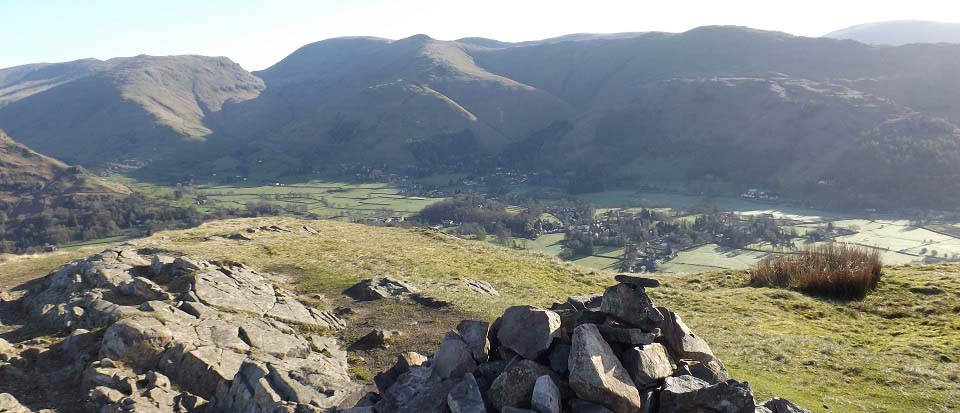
576,37
901,32
29,180
714,110
93,111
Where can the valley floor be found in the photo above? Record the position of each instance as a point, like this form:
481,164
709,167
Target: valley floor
895,351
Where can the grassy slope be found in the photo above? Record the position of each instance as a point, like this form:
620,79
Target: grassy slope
896,351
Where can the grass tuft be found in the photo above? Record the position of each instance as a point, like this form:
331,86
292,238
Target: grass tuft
834,270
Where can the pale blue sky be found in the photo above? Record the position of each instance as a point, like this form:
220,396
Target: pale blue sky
258,33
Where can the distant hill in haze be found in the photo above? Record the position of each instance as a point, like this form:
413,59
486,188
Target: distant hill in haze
715,110
901,32
92,111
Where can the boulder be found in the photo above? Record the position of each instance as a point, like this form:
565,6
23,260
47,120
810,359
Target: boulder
453,359
690,394
138,342
546,396
376,338
417,391
380,287
9,404
687,345
585,302
630,304
514,387
648,364
559,356
404,362
596,374
475,334
778,405
629,336
465,397
528,331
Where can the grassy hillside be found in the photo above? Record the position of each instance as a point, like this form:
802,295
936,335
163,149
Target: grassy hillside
896,351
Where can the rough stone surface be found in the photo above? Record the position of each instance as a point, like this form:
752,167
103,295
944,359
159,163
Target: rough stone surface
453,359
465,397
637,281
631,304
236,339
630,336
546,396
476,335
596,375
778,405
687,345
380,287
528,331
648,364
690,394
514,387
481,287
583,406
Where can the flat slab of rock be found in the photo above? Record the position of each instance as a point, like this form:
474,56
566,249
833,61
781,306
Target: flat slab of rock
637,281
596,375
687,345
241,291
528,331
690,394
481,287
380,287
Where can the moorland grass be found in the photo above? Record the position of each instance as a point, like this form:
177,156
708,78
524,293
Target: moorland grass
894,351
834,270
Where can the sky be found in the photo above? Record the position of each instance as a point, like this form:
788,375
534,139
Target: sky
259,33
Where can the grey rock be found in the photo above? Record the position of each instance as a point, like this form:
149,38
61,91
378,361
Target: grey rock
475,334
778,405
143,288
380,287
514,387
528,331
648,364
690,394
546,396
596,374
632,305
138,342
510,409
376,338
160,264
481,287
453,359
683,343
585,302
629,336
465,397
637,281
405,362
583,406
10,404
415,392
559,356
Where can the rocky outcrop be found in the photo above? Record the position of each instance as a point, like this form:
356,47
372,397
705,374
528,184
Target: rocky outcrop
598,354
183,335
381,287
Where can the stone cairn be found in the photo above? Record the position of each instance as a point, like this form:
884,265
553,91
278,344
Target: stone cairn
592,354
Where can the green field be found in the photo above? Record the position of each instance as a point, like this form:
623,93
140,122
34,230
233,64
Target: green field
325,199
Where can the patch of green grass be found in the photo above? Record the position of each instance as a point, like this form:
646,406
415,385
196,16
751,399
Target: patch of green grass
882,354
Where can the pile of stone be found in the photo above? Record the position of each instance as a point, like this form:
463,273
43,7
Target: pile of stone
595,354
151,333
